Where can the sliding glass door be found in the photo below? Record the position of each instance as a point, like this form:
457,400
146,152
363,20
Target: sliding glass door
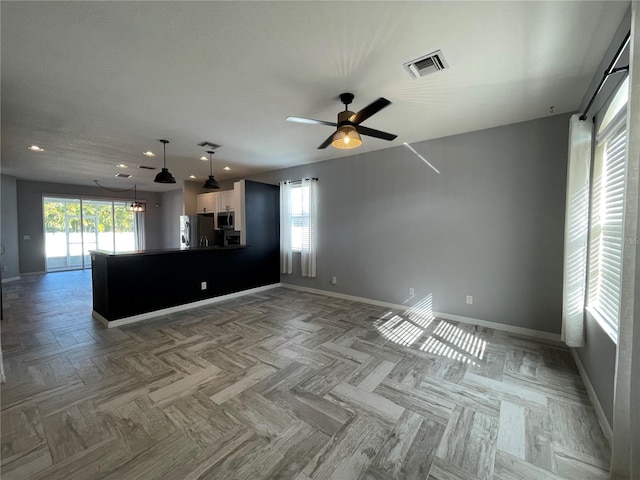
73,227
63,235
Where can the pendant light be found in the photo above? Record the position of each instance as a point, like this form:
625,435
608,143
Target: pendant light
164,176
211,182
136,206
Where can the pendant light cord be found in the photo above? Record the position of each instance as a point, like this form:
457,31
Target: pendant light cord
113,189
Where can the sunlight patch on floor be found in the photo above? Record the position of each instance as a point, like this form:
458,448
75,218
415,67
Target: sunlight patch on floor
453,342
408,328
446,340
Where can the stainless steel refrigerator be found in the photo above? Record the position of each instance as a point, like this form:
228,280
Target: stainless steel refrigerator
196,231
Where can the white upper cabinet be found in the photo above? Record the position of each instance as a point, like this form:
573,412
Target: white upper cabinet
227,201
207,203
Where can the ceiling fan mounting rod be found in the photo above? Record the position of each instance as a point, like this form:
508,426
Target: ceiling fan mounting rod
346,98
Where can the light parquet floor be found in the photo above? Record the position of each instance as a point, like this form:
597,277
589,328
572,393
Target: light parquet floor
282,385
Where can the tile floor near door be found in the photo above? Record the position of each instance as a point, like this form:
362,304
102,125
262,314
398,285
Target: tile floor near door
282,385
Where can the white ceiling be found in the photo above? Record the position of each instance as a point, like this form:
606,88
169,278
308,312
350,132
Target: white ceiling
98,83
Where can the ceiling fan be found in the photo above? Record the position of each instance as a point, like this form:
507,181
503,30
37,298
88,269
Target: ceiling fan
349,125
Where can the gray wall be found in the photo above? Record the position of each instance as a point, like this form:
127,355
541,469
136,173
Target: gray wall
191,192
489,225
9,228
29,202
598,356
172,207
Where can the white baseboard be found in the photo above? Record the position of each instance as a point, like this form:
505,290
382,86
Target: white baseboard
445,316
10,279
529,332
328,293
101,319
602,418
178,308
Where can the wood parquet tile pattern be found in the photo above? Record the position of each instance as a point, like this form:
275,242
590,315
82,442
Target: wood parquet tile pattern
283,385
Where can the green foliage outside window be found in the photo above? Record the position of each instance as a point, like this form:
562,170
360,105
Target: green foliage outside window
93,212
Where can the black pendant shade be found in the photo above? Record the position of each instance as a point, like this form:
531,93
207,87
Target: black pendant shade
164,176
211,182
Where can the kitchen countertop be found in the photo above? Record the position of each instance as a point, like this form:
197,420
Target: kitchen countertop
161,251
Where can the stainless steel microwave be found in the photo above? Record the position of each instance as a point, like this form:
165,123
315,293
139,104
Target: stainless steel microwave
226,221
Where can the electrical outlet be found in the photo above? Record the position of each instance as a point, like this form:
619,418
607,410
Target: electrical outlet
27,237
334,280
203,285
412,291
469,299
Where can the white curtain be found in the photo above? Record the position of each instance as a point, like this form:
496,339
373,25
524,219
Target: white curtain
576,233
310,214
286,260
138,230
625,448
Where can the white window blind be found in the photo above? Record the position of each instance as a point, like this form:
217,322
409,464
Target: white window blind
299,217
607,221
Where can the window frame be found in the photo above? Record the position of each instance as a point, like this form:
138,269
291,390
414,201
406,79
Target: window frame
599,305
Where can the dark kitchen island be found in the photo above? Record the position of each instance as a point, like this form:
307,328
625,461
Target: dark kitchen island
132,286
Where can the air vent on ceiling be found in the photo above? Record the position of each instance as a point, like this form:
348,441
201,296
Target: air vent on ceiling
146,167
212,146
123,175
431,63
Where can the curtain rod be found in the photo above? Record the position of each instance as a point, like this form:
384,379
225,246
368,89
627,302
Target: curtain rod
609,71
295,181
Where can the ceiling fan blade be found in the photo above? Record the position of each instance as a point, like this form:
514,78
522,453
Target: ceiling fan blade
326,143
310,121
369,110
375,133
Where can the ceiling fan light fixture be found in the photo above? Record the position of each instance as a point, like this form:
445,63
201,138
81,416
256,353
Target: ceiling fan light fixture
346,137
164,176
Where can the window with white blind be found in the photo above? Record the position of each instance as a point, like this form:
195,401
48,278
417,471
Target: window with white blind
299,217
607,215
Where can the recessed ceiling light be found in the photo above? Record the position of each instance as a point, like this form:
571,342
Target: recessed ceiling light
204,158
192,176
35,148
123,175
226,168
149,154
121,165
